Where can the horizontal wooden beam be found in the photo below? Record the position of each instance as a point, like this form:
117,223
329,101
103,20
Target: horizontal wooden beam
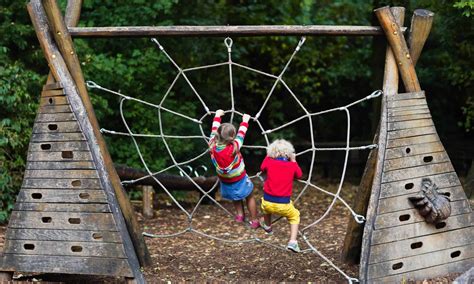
189,31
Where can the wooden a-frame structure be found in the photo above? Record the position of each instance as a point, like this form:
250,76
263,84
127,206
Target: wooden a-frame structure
72,215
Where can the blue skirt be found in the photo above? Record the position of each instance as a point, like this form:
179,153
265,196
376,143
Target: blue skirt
237,190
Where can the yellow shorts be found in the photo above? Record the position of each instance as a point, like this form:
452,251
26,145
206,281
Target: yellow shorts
285,210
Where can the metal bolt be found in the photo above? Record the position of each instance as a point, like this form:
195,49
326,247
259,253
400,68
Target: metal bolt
400,63
395,33
53,56
72,52
408,55
59,33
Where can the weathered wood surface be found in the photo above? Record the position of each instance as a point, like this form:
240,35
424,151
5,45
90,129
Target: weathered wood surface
420,229
399,48
62,207
52,86
57,137
412,140
415,160
420,171
397,188
63,220
53,101
434,271
59,146
426,244
147,206
6,276
61,195
61,174
54,109
420,28
55,127
416,149
393,126
66,68
58,156
61,165
401,202
392,219
403,111
390,88
53,93
260,30
52,117
421,102
406,96
64,235
65,248
66,264
420,261
411,117
64,183
411,132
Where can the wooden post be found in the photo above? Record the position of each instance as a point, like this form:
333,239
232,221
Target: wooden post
147,198
354,233
399,48
6,276
65,44
420,28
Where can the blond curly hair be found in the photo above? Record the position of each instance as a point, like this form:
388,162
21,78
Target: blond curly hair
280,148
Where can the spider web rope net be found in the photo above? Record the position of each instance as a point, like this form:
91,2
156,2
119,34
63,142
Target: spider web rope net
278,79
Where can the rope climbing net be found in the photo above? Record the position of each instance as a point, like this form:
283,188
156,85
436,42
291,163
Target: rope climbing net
278,79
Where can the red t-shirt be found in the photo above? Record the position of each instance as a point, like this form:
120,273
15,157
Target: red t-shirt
280,176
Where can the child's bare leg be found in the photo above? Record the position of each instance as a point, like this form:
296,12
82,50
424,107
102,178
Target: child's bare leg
252,206
268,219
293,232
239,208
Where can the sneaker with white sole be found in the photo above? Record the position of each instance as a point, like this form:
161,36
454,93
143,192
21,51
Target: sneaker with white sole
293,246
268,229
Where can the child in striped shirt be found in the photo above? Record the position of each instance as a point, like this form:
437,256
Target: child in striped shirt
225,144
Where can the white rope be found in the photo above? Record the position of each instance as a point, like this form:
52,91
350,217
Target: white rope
199,122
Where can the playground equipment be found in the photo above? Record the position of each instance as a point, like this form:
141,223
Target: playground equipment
72,215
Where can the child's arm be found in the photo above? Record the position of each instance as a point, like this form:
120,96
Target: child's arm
242,130
298,171
216,123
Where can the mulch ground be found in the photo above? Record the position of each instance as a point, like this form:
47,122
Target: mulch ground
191,257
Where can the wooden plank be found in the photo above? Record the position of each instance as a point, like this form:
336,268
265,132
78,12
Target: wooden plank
56,127
405,103
63,235
420,229
61,174
59,146
63,248
403,187
421,245
62,220
52,86
412,132
410,117
247,30
392,219
412,140
61,183
66,265
420,261
420,28
433,272
58,156
50,117
401,202
421,171
53,101
61,195
52,93
62,207
63,165
415,160
416,149
407,111
54,109
392,126
407,96
57,137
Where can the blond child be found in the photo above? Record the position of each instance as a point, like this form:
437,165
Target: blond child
225,143
281,168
